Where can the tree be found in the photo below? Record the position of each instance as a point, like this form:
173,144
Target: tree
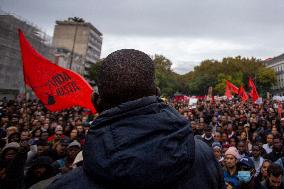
166,79
265,78
162,62
209,73
236,69
93,71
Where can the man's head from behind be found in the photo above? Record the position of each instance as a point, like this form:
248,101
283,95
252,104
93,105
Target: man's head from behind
124,75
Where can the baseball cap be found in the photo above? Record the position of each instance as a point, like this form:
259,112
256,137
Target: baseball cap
217,145
246,161
74,143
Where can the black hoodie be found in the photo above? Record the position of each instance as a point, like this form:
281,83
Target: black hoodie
144,144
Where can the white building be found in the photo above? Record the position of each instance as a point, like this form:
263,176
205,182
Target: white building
277,64
63,59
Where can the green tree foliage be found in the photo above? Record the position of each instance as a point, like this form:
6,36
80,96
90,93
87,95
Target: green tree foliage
166,79
93,71
236,69
209,73
265,77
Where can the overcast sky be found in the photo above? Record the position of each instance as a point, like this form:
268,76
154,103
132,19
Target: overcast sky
185,31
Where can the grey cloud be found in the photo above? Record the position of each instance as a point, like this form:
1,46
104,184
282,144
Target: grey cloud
207,18
255,25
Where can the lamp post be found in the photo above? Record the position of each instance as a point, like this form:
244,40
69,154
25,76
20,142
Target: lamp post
73,47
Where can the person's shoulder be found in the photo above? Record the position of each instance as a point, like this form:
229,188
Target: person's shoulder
44,183
202,149
66,180
205,158
76,179
207,171
262,185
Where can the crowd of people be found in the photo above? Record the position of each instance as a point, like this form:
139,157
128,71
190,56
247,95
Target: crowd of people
37,144
246,138
139,141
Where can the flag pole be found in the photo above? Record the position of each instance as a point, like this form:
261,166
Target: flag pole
25,87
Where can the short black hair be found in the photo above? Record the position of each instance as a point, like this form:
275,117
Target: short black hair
126,75
42,143
277,136
275,170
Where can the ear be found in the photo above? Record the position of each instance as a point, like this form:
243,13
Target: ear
97,102
158,91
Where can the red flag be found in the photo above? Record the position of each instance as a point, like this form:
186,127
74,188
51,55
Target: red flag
243,94
232,87
253,93
56,87
279,109
228,92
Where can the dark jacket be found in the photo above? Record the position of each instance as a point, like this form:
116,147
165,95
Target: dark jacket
273,156
143,144
265,185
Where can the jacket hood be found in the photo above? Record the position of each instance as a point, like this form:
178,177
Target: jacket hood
139,144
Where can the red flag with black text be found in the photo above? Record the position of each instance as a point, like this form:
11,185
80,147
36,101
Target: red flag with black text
253,93
56,87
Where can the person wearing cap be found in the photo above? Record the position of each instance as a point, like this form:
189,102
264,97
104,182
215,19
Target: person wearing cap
138,141
9,151
217,149
246,172
231,173
65,164
13,156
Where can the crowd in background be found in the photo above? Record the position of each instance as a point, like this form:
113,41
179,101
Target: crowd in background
246,138
39,145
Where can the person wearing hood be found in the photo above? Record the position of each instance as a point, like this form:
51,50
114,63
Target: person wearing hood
41,169
138,141
13,157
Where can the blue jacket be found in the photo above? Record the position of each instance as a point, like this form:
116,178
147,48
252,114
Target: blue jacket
144,144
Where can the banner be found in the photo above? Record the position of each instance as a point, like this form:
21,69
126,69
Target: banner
56,87
253,93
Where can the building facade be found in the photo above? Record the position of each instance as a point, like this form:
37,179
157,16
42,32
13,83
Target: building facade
63,59
277,64
80,38
11,72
